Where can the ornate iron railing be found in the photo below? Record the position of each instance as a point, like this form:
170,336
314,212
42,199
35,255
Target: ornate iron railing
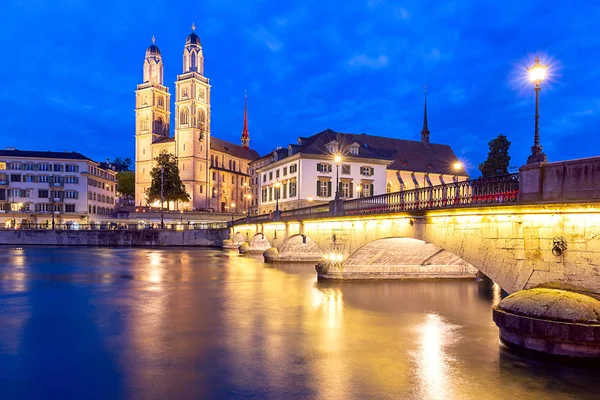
485,191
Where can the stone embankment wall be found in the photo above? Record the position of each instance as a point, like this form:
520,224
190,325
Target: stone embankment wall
203,238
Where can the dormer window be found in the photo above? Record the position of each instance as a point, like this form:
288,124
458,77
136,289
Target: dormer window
332,147
354,149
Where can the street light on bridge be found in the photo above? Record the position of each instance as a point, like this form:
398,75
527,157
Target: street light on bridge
337,159
457,167
277,186
537,74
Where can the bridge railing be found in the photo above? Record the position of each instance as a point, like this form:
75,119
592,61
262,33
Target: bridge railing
494,190
312,210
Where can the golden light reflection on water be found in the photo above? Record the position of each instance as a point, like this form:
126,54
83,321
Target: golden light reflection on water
434,371
188,323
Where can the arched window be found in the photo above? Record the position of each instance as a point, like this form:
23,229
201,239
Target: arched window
161,102
388,187
193,62
212,160
159,125
145,123
184,116
185,93
201,119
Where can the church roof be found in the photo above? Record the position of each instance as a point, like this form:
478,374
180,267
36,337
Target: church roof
233,149
406,155
193,39
152,49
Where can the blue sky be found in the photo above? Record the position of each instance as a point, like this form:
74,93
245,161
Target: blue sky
69,70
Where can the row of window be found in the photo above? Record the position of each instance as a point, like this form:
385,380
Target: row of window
20,166
346,189
161,102
234,178
100,210
37,207
40,178
101,185
292,169
41,194
101,198
101,173
273,193
346,169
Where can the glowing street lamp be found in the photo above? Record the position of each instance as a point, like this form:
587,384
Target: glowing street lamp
537,74
359,190
232,212
277,186
457,167
337,159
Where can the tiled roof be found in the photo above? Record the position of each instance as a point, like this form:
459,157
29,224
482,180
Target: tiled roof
407,155
44,154
233,149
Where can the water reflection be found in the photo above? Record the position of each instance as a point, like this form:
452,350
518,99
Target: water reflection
434,378
192,323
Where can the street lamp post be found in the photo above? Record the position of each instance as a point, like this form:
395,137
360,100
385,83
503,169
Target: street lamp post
51,185
337,159
162,197
537,73
232,212
249,201
457,167
277,186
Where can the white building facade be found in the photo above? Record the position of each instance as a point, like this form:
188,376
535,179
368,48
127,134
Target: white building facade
307,174
36,186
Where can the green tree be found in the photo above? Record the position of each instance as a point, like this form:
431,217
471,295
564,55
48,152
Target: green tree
498,158
121,164
173,189
126,184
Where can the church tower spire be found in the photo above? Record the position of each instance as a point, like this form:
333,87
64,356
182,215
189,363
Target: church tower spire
245,134
425,130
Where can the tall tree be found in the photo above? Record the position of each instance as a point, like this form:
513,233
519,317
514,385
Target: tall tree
126,183
173,188
121,164
498,158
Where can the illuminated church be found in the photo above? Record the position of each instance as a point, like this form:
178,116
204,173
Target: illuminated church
215,172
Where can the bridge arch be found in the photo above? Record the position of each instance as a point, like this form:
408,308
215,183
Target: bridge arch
259,243
398,258
238,239
300,248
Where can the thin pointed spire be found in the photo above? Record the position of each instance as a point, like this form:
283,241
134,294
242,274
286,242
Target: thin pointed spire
245,134
193,26
153,39
425,131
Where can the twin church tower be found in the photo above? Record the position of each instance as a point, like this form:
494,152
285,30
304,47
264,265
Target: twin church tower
214,172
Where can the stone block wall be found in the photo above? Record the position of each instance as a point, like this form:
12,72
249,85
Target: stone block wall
204,238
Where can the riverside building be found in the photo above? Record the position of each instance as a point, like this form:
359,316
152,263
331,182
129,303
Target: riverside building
37,187
364,165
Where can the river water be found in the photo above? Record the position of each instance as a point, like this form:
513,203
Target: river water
111,323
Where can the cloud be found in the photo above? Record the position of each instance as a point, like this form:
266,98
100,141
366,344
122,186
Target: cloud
262,35
363,60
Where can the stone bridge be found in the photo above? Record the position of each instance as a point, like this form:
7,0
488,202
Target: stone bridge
539,228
